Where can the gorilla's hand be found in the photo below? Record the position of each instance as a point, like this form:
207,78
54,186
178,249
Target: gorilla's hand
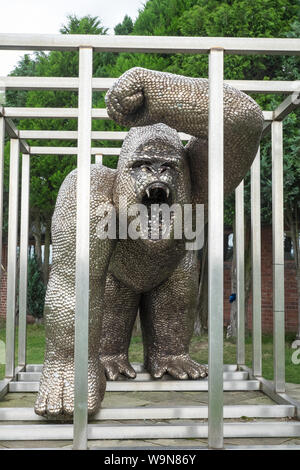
125,99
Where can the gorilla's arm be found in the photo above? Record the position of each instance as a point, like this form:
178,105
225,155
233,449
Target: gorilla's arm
141,97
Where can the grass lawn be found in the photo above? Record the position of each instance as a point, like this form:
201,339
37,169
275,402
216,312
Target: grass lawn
198,350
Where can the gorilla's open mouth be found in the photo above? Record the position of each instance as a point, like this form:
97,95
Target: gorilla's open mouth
154,196
156,193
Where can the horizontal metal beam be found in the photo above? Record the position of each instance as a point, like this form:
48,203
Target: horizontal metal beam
69,113
143,376
53,113
72,150
72,135
31,432
154,386
163,412
138,367
265,86
148,44
103,84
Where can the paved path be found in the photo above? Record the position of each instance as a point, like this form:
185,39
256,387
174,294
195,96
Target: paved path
151,399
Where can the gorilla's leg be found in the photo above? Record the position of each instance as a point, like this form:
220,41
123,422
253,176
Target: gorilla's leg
56,392
120,310
167,317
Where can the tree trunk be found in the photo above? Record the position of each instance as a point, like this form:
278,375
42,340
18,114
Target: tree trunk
37,234
232,327
47,252
201,320
248,269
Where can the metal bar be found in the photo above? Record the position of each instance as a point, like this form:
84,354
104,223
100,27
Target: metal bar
2,141
278,257
103,84
82,248
13,132
215,249
4,387
267,387
240,271
12,257
69,113
13,432
58,113
144,376
155,386
73,150
23,258
146,44
162,412
137,367
72,135
265,86
256,267
287,106
99,159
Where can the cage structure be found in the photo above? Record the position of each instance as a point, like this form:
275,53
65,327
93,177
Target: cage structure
23,377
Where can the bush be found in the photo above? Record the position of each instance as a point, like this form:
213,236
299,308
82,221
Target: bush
36,289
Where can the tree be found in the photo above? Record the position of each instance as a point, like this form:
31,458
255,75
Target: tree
48,172
124,28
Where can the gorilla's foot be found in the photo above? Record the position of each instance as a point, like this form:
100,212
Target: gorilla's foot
56,393
180,367
117,365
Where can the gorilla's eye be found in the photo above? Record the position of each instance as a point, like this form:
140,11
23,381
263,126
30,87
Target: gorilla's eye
140,164
168,166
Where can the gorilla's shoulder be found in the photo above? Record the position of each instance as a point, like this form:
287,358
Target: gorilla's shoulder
102,181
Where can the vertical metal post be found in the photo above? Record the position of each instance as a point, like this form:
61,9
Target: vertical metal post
278,257
2,136
99,159
240,271
82,247
23,258
215,248
256,267
12,257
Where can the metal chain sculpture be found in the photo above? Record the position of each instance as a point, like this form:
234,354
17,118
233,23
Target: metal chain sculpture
156,275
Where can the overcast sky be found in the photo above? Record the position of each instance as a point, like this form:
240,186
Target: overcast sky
47,17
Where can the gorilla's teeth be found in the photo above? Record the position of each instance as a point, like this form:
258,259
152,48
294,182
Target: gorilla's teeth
148,192
168,192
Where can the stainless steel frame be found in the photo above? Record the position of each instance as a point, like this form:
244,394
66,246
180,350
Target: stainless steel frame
219,377
82,247
23,259
256,267
240,271
215,249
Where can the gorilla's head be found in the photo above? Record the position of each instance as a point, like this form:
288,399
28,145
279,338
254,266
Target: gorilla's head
152,168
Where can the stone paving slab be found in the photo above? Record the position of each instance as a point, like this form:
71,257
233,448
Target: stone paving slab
144,399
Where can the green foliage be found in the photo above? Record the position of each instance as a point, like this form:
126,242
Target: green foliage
237,18
36,289
124,28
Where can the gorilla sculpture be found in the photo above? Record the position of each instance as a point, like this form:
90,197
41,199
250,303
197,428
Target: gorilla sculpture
157,276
